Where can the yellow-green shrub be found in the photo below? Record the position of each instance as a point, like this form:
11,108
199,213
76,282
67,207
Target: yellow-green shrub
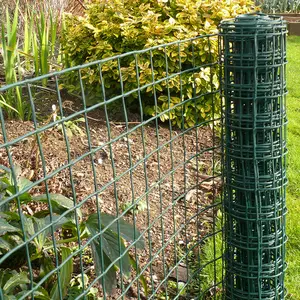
118,26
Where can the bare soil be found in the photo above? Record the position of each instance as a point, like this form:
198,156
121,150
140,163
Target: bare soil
165,184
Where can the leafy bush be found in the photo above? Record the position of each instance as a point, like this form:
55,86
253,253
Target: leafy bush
114,27
17,226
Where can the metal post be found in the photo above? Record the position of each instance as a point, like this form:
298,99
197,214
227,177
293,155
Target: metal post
254,57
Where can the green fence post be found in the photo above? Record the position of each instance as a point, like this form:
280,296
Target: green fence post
253,53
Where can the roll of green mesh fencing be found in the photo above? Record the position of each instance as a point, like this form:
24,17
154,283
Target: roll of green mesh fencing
253,52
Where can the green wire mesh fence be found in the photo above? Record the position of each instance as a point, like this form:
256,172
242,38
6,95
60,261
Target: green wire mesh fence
103,201
254,54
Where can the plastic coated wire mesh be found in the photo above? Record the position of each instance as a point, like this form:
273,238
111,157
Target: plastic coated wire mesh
254,56
162,179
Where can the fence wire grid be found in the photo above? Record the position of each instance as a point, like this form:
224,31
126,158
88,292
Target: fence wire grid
75,175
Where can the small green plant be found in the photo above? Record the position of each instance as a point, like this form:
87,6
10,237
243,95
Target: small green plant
210,253
13,285
17,226
136,207
70,126
77,285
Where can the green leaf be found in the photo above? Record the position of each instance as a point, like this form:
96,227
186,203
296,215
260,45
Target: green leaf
41,214
110,277
65,275
41,223
59,203
46,266
10,216
40,293
24,197
38,225
5,245
141,276
113,250
6,227
57,199
5,275
110,245
28,225
23,183
14,281
127,231
3,103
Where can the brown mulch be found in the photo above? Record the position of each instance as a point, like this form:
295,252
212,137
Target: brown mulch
164,210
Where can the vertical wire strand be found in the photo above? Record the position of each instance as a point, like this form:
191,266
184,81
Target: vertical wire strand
143,136
172,166
130,168
184,157
159,172
55,248
223,141
15,182
197,150
213,171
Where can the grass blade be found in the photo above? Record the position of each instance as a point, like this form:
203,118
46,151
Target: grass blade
28,29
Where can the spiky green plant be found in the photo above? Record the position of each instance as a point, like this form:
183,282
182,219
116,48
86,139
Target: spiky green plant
279,6
13,98
37,50
64,54
44,48
43,33
28,33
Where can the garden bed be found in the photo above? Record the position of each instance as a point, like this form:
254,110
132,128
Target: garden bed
162,199
293,21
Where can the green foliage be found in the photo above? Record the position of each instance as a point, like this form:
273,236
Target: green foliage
206,257
39,42
108,249
77,285
71,127
12,100
26,50
14,285
212,258
130,207
114,27
279,6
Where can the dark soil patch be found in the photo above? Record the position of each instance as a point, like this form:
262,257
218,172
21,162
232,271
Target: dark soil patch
136,172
